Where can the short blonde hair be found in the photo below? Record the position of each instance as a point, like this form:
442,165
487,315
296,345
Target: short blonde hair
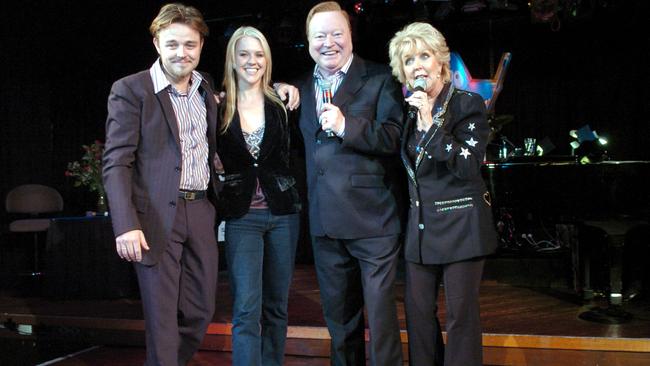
230,75
179,13
325,7
418,36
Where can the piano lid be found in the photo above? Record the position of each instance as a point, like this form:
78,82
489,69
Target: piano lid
569,190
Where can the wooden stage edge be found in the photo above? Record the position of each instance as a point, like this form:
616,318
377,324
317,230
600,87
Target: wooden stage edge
307,333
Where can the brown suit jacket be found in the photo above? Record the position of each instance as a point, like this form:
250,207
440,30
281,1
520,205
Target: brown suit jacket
142,160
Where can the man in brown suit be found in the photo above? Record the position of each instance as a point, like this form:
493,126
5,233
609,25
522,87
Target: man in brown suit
160,144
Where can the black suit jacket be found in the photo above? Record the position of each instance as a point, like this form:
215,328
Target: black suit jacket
353,183
450,217
142,159
271,167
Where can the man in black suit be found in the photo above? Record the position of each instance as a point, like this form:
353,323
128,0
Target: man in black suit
352,178
160,144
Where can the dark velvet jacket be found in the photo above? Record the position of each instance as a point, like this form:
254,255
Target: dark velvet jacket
271,168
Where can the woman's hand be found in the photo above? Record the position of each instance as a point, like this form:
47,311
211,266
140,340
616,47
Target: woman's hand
424,104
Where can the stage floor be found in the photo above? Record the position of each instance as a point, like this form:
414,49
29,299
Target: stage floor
515,317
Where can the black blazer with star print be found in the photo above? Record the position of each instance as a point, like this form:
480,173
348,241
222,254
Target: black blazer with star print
450,217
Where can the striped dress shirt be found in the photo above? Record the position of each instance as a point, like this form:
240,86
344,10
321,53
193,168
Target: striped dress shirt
191,117
335,79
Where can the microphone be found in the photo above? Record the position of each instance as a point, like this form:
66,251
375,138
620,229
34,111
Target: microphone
326,88
419,85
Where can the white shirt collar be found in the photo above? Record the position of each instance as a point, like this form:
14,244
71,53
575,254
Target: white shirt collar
161,82
344,69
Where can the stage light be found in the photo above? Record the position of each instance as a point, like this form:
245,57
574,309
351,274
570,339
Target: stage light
585,133
588,146
472,6
358,7
601,140
545,146
25,329
573,133
543,11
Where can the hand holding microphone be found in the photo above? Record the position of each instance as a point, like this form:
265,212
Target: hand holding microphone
415,103
326,88
419,101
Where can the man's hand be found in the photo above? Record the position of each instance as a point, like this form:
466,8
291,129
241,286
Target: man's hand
130,245
331,119
220,97
286,90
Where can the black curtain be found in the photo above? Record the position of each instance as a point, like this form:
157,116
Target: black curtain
63,56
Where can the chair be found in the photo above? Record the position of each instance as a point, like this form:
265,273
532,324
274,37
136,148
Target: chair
489,89
32,200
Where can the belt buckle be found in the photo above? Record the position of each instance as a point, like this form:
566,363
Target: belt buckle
189,196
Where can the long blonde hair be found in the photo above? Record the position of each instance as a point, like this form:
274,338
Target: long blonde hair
230,76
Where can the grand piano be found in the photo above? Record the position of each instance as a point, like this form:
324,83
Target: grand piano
566,190
536,198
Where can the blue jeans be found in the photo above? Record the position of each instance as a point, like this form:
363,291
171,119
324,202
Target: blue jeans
260,249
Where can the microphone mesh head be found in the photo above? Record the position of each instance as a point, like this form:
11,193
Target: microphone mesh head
420,84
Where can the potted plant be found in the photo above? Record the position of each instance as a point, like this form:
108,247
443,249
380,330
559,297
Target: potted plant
88,172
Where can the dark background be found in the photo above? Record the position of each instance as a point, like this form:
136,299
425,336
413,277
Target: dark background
59,59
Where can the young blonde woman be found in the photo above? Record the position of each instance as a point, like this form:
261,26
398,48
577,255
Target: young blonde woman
259,202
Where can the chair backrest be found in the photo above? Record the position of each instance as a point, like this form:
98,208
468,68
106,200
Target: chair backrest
33,199
489,89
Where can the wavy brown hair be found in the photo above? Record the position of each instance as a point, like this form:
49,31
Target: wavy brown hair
179,13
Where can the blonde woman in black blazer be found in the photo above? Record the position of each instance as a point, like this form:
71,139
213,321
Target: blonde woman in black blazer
450,228
259,201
